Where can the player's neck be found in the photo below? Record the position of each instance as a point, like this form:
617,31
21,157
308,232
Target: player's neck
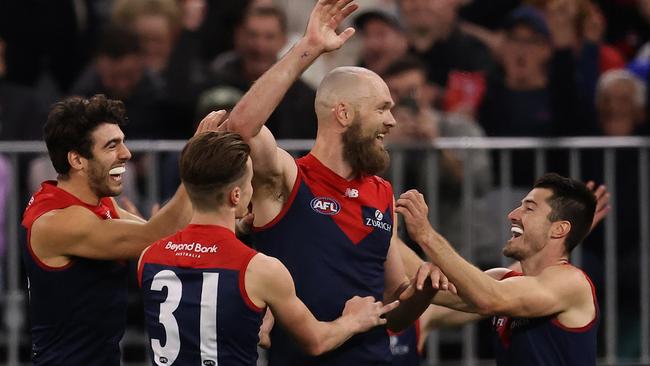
534,265
224,217
329,152
79,189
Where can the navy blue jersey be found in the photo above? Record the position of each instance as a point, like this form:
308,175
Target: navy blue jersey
195,302
333,235
78,311
544,341
404,346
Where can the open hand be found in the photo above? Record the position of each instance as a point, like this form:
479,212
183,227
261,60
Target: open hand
323,22
428,276
366,313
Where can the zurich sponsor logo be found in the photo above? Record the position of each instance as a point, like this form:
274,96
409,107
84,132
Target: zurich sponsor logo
325,205
378,215
377,221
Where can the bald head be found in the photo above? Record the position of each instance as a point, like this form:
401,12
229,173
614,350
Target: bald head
348,84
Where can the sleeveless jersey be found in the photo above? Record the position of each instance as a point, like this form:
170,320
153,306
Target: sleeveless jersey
544,341
404,346
78,311
196,307
333,235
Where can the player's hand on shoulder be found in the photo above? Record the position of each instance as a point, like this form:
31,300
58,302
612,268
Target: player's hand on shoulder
365,313
212,122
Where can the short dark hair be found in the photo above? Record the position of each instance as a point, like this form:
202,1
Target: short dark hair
267,11
404,64
118,41
71,122
210,162
571,201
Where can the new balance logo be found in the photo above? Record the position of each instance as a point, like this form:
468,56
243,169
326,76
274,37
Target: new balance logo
352,193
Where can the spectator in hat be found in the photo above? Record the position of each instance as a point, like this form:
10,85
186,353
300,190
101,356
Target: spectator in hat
383,40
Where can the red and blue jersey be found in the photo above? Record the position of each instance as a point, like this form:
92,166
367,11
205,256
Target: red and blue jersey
78,311
404,346
333,235
544,341
196,306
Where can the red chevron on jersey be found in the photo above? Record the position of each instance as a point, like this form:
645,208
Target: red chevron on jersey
357,206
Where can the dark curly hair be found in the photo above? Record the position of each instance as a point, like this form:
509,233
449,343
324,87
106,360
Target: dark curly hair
71,122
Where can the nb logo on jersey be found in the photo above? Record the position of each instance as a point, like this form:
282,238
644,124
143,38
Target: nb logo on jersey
325,205
351,192
107,215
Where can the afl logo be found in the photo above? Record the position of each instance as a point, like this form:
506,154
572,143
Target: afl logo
325,205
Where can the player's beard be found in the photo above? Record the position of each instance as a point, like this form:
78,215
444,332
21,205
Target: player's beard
363,153
98,180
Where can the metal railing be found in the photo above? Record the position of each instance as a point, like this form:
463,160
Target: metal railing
14,298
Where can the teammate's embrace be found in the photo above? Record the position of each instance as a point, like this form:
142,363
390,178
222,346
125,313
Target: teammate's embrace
205,291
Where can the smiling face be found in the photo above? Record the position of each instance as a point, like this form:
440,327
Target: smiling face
530,225
105,168
363,141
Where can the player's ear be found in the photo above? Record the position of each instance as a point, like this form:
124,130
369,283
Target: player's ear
75,160
560,229
235,196
344,114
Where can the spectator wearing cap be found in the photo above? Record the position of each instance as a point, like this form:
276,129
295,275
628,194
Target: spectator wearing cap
383,40
258,40
536,93
118,71
457,63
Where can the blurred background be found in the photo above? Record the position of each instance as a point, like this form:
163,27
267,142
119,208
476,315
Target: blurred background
489,94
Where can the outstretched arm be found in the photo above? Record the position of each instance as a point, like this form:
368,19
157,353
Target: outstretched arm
268,282
75,231
554,291
250,114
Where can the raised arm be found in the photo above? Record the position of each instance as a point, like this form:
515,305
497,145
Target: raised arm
250,114
268,282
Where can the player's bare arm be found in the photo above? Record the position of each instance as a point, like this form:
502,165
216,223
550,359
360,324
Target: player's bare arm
268,282
275,170
559,289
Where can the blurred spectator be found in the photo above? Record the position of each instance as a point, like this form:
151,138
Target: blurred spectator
456,62
418,122
170,52
119,72
628,26
22,113
621,106
383,40
257,43
217,31
536,95
49,42
621,102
